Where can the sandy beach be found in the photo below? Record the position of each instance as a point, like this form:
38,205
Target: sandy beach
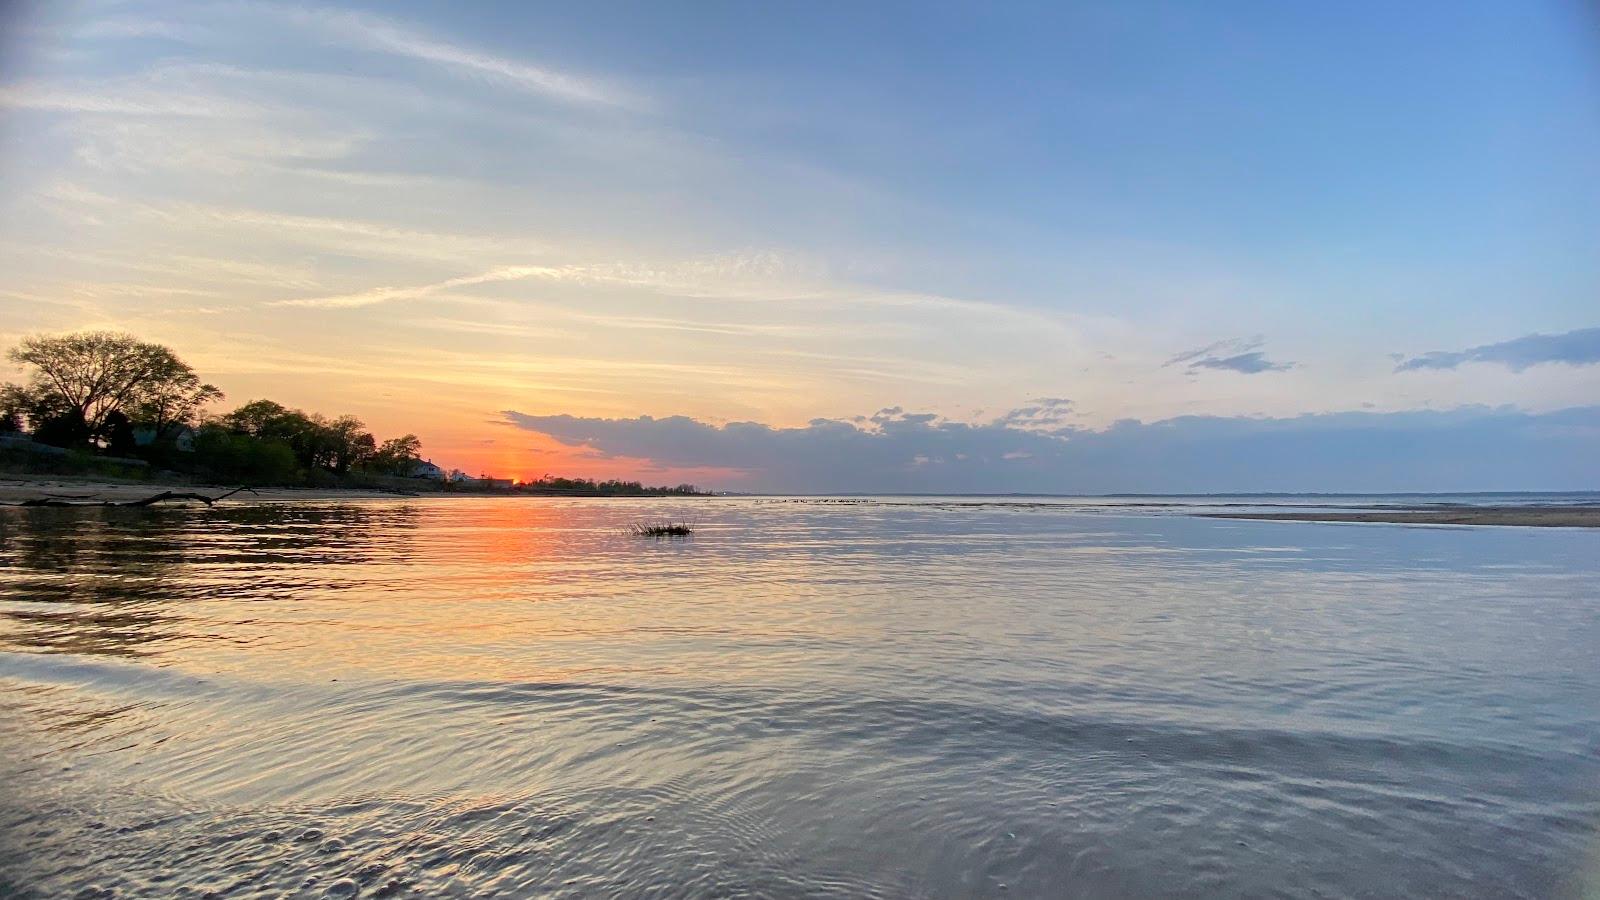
1541,516
17,489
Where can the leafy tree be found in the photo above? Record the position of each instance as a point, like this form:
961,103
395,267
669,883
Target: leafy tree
93,388
230,456
16,408
48,415
261,418
82,378
396,456
317,443
167,405
612,487
346,443
269,421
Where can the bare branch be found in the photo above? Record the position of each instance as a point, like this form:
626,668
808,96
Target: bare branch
148,501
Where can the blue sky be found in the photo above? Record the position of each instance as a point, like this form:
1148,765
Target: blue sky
434,215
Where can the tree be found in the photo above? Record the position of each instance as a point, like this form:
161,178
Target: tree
274,422
259,418
46,414
347,442
16,407
338,445
396,456
78,380
166,405
10,419
119,434
223,454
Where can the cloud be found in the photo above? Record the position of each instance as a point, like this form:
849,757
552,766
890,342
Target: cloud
1580,347
1244,363
130,27
1230,345
1468,448
387,36
354,237
117,97
1241,355
385,294
752,278
1044,413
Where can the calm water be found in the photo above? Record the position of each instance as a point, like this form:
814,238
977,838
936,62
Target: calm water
512,697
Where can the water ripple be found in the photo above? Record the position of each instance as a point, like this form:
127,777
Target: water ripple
904,699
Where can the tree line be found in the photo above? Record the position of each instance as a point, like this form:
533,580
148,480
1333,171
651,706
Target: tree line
550,484
113,395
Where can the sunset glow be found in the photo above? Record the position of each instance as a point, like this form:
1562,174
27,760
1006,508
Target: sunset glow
769,448
430,221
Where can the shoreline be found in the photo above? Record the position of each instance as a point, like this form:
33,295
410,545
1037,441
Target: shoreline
17,489
1524,516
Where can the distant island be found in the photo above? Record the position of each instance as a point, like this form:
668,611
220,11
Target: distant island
108,405
1525,515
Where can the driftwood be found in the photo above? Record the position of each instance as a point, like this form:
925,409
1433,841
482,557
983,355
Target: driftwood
148,501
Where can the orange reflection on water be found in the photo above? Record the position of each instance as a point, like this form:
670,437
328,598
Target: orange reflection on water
535,589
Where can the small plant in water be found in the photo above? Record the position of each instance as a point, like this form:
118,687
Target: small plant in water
661,529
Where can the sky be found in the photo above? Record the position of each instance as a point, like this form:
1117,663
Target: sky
1056,247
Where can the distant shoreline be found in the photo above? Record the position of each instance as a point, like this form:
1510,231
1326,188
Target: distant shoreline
1530,516
17,488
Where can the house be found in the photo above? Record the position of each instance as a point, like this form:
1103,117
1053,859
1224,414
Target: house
21,442
426,469
483,482
182,437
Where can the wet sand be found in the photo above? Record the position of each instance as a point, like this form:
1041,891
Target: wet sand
1541,516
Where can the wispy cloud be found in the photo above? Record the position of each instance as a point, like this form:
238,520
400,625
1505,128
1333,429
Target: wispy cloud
1252,363
386,294
128,98
356,237
1232,355
388,36
1234,345
133,27
1580,347
758,278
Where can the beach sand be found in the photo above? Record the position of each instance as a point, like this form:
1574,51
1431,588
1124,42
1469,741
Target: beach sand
1542,516
16,489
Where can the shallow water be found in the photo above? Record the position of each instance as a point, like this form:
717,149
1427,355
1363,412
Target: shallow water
513,697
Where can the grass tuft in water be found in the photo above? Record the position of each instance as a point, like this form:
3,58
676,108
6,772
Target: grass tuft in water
661,529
